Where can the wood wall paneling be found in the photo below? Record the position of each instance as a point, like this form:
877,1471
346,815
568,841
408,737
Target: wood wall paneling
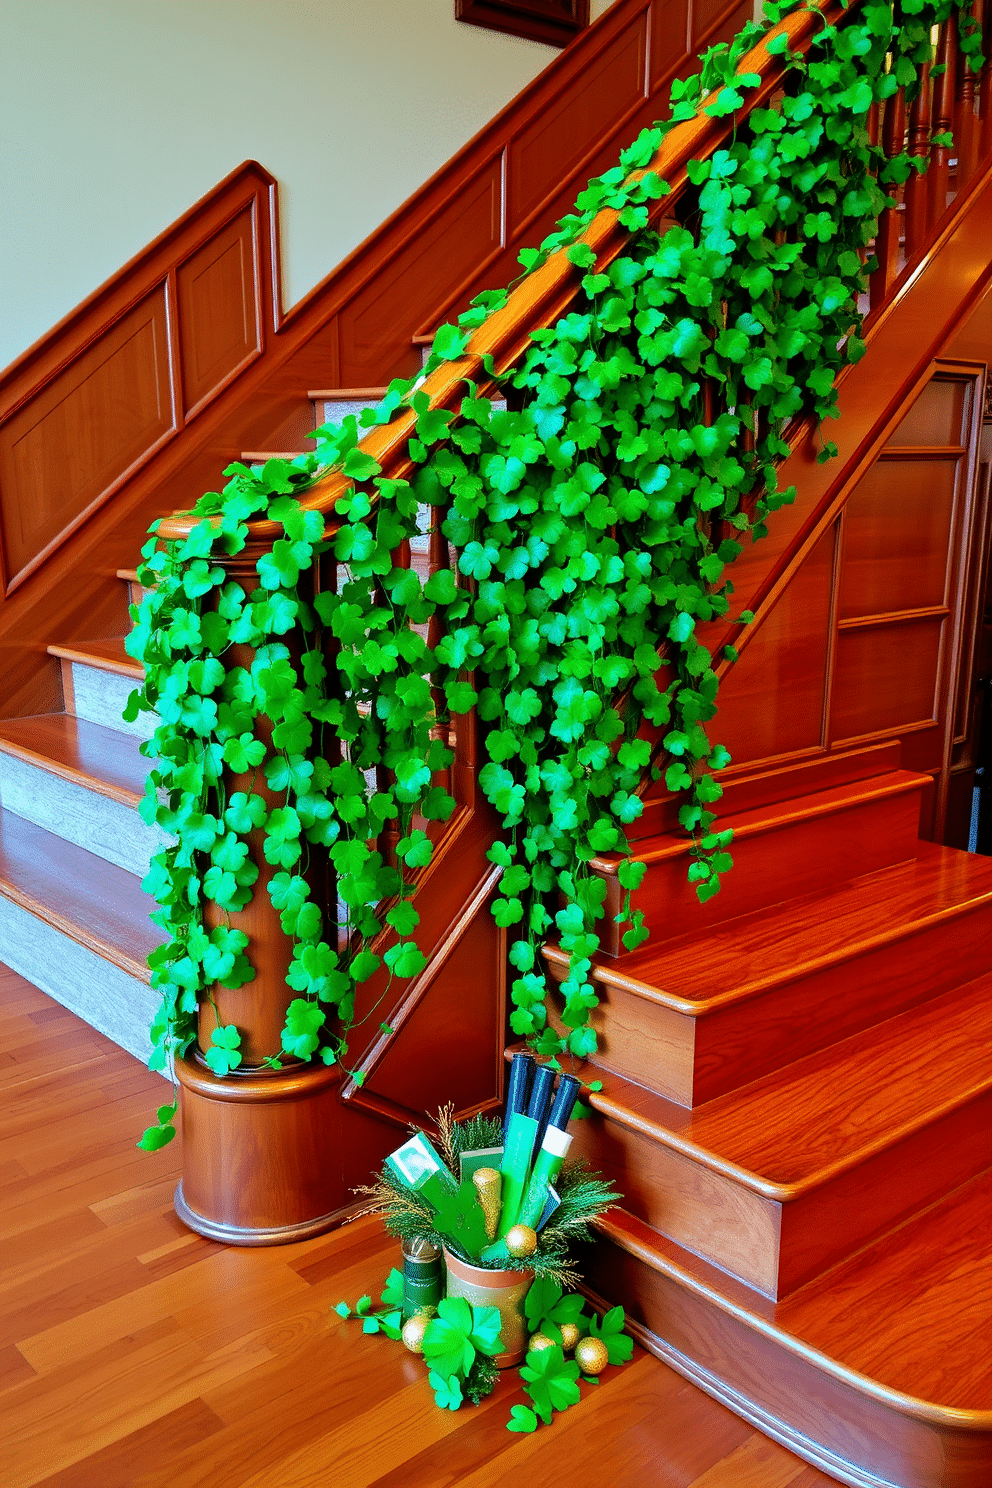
669,19
86,408
218,293
885,678
772,700
421,276
900,564
937,417
66,449
554,143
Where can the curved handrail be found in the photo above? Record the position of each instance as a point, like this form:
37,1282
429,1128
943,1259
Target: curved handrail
544,295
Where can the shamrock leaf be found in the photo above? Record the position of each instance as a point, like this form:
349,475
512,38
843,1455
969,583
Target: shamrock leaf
522,1418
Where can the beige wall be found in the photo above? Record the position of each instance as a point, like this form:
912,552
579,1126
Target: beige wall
116,115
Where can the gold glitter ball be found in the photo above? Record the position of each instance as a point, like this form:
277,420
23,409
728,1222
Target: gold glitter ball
413,1332
539,1342
521,1241
569,1336
592,1355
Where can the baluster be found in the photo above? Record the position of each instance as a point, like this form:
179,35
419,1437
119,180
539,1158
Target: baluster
874,119
942,118
918,145
326,582
887,241
438,557
965,119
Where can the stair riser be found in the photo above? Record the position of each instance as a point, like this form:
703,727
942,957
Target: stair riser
105,996
789,1393
100,697
796,857
98,823
690,1060
773,1245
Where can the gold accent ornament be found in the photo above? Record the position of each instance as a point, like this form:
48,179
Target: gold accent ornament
413,1332
592,1355
570,1336
521,1241
537,1342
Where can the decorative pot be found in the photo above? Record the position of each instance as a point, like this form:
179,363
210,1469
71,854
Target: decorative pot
504,1290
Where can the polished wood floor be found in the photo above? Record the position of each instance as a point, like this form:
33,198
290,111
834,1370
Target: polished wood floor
135,1354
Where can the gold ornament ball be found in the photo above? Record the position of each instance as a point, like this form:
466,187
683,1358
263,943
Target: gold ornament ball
592,1355
413,1332
538,1342
521,1241
569,1336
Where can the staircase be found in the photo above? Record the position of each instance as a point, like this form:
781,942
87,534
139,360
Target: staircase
796,1104
795,1089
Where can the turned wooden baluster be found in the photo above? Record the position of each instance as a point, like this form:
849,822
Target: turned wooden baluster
942,118
918,145
438,557
966,123
890,222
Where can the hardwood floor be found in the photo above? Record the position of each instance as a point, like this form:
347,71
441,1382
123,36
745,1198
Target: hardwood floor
135,1354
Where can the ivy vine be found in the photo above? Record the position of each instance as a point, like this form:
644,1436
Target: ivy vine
592,520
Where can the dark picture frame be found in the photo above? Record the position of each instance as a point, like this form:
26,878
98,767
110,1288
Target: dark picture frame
555,22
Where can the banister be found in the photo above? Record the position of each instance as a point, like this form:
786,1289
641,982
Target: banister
544,294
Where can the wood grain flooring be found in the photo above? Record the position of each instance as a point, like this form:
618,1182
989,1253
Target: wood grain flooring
135,1354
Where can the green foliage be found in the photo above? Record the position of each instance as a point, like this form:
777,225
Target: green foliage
592,522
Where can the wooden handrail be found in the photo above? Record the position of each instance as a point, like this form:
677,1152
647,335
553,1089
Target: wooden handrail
545,294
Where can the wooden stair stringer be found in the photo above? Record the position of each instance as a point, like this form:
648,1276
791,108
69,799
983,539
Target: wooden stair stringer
738,1347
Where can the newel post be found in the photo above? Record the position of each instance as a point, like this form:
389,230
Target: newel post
262,1146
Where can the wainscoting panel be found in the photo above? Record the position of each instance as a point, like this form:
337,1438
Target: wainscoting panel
73,443
219,314
554,143
86,407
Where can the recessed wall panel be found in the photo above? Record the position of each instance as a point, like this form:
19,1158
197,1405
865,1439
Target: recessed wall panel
84,430
771,700
897,529
218,321
885,678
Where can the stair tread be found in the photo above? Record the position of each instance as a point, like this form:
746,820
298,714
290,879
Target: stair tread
910,1313
773,815
98,758
345,395
710,969
95,903
793,1130
108,655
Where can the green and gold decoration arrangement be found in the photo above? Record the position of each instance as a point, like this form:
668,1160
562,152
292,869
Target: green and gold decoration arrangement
593,521
487,1218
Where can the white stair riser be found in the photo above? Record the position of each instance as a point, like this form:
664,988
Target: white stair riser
116,1004
102,826
100,697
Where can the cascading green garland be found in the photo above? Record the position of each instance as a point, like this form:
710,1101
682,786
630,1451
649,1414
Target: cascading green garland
591,526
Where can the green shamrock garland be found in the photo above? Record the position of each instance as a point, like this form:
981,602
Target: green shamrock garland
593,521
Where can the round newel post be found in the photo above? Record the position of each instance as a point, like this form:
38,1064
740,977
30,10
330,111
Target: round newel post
261,1145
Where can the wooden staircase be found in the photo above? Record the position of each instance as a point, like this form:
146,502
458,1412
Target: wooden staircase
796,1103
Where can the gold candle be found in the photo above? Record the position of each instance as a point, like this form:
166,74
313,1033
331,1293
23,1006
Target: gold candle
489,1186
